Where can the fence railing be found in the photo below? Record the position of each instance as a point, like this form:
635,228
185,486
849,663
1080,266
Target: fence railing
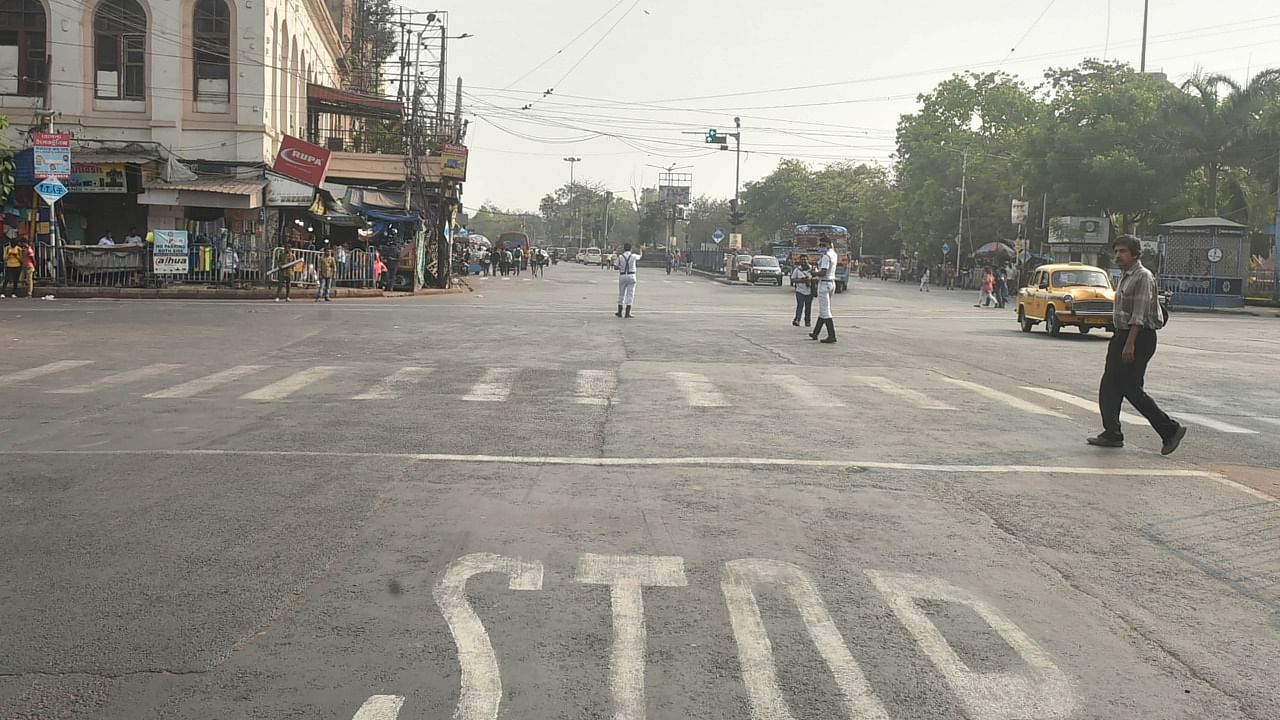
131,266
1261,284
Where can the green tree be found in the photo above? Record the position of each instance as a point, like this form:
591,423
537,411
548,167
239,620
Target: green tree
1106,146
969,129
1217,124
859,197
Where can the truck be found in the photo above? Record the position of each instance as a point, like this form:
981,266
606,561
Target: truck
806,243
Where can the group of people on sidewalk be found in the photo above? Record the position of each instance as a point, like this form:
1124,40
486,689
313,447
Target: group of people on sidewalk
19,268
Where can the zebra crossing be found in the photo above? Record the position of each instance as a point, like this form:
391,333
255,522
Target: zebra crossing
934,394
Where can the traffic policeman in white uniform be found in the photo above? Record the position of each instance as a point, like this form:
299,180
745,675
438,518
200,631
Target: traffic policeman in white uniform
826,274
626,279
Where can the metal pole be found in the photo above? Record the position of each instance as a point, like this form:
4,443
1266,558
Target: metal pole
1275,247
1146,7
964,177
440,86
737,172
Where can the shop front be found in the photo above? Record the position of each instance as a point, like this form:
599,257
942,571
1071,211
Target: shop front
224,223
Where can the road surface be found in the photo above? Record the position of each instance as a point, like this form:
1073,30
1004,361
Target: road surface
511,503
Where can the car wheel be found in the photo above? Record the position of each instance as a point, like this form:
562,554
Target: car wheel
1084,329
1051,323
1023,320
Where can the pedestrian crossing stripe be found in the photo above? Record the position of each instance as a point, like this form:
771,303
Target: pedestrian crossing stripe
591,387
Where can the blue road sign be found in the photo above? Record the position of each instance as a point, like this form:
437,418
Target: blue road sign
718,235
946,248
51,190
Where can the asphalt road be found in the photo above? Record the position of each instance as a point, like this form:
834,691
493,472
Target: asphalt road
511,503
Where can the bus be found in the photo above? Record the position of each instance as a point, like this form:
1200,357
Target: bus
511,241
806,243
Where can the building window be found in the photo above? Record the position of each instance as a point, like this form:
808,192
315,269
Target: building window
212,43
120,50
23,57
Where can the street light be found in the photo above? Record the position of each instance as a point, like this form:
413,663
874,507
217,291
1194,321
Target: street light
573,161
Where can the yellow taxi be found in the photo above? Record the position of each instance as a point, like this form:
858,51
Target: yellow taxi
1067,294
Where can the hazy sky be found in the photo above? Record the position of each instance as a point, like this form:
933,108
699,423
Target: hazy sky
662,67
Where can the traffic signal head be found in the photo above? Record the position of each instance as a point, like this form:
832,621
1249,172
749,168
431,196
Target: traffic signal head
712,136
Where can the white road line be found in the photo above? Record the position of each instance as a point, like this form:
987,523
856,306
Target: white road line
743,462
890,387
1269,420
380,707
596,387
1039,689
698,390
1082,403
495,386
118,379
284,388
192,388
481,691
42,370
755,652
391,386
627,576
1214,424
806,393
1014,402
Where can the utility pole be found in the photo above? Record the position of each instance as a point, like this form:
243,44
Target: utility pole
964,177
1275,245
1146,8
737,173
457,114
572,161
440,85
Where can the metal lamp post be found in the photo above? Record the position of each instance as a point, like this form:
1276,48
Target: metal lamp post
572,161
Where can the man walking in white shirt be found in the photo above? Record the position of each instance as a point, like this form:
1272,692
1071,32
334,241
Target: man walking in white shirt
626,279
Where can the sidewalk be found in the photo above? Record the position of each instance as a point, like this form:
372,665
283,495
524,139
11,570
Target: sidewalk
219,293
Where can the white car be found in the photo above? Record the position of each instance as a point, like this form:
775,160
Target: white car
594,257
580,257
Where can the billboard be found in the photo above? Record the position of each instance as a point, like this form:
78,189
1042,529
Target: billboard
300,160
51,155
169,253
453,162
675,194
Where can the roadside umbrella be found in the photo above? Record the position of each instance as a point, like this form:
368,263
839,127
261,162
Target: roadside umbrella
994,248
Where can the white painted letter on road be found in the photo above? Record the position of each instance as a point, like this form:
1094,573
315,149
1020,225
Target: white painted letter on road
1042,691
627,576
380,707
481,680
755,653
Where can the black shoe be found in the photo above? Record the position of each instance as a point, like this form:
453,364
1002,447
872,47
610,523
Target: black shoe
796,323
808,324
1104,441
628,311
619,313
1174,440
813,336
829,340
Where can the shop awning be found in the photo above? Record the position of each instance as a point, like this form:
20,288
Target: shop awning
382,216
212,192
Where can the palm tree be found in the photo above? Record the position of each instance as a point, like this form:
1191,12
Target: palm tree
1218,123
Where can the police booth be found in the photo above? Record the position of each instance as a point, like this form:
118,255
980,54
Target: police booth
1204,262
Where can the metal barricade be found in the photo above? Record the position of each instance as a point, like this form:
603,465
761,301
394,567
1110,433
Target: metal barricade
357,270
306,272
103,266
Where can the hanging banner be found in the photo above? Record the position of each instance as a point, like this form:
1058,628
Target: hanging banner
97,178
51,155
453,162
169,256
1020,210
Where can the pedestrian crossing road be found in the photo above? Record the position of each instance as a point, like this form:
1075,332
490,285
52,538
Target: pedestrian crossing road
676,387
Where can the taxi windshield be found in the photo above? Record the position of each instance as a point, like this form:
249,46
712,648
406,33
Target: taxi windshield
1081,278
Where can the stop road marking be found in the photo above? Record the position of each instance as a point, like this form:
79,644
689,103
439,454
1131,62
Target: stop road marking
1040,689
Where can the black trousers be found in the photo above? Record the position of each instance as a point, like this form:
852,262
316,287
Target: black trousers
804,304
1124,381
11,277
